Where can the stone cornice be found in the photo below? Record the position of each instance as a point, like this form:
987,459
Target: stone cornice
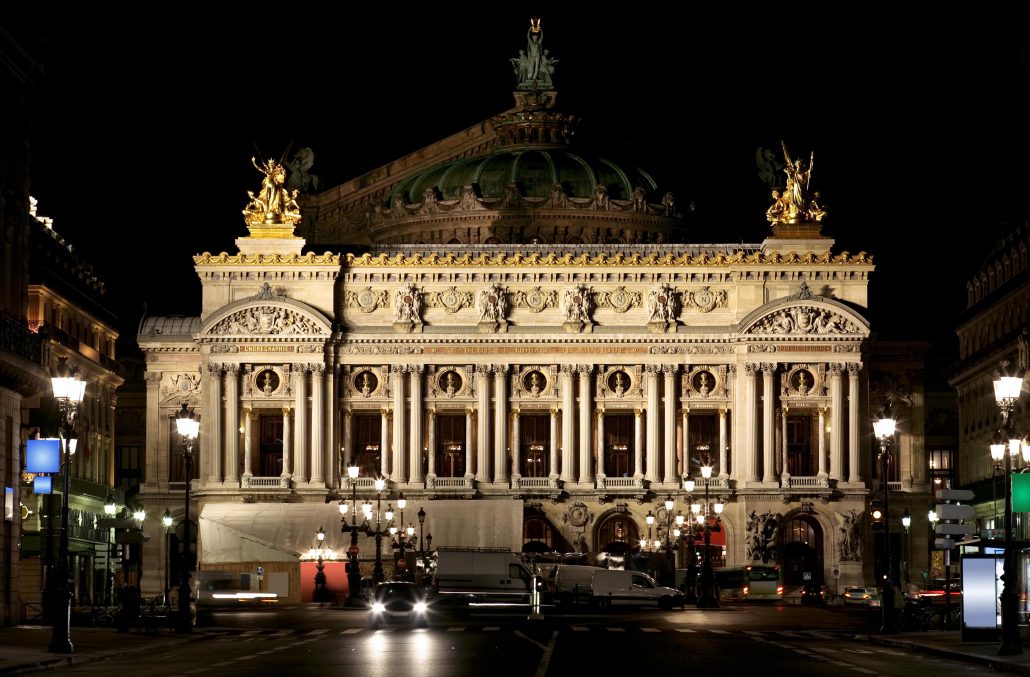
635,259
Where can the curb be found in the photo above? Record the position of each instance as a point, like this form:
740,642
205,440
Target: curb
80,659
995,663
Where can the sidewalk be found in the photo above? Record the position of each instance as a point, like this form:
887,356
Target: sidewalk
23,648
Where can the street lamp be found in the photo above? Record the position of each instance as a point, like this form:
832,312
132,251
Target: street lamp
906,521
320,567
110,509
188,428
707,599
353,568
1007,389
884,428
649,519
377,571
69,389
401,504
166,521
670,556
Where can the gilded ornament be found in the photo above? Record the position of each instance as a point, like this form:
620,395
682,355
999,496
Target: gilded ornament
274,204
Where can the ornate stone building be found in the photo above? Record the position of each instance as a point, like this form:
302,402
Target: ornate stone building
518,339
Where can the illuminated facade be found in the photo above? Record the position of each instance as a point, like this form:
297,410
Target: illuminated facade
518,338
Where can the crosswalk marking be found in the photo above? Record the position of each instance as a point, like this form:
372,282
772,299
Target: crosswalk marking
316,631
616,629
650,629
492,628
580,628
787,633
721,632
687,630
457,628
350,631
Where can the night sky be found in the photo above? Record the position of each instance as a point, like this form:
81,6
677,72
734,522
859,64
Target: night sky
142,146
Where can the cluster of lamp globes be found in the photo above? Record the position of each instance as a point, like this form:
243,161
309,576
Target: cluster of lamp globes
366,506
680,519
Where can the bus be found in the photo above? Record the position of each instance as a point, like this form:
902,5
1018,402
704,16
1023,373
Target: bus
750,583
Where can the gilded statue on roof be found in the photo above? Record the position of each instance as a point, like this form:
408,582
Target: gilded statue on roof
795,203
274,204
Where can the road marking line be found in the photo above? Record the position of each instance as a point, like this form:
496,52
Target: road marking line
458,628
580,628
318,631
753,632
866,671
688,630
821,635
650,630
787,633
351,631
823,649
858,650
530,640
616,629
541,669
720,632
491,628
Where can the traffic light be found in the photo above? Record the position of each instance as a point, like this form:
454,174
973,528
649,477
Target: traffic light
876,514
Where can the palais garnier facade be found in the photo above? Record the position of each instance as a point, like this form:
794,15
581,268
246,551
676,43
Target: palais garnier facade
517,336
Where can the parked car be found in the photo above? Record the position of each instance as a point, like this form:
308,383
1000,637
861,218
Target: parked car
813,593
934,593
398,601
861,596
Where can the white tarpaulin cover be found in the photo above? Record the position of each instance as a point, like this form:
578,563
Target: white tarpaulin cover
254,532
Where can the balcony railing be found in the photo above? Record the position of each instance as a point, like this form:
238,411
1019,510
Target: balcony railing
803,482
16,338
265,482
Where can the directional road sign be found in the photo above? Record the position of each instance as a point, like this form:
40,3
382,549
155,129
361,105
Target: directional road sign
953,511
954,495
955,529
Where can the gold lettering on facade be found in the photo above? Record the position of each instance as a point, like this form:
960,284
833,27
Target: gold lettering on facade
535,350
268,349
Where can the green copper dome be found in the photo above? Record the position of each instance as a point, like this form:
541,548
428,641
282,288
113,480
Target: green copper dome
535,171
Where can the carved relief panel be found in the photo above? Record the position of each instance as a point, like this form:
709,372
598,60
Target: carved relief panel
178,387
364,382
266,380
701,381
447,381
618,381
535,381
803,380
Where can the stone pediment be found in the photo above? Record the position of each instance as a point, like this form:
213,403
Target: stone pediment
263,318
804,315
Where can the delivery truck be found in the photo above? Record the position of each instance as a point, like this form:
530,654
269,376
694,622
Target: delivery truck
482,576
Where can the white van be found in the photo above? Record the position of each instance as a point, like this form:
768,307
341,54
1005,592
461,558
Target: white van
611,587
573,584
482,575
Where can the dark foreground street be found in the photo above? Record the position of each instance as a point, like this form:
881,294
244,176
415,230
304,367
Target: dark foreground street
761,640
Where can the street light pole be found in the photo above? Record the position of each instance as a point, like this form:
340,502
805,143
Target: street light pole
421,541
402,503
353,568
166,521
1007,389
708,599
69,389
188,428
906,521
377,572
320,567
884,428
670,556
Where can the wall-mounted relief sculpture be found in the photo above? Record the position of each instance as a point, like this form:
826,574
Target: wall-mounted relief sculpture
265,381
492,305
662,309
805,320
617,381
705,299
452,300
365,382
407,310
619,299
803,380
445,381
701,381
178,387
577,305
535,299
535,381
366,300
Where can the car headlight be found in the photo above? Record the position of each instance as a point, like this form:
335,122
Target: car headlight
420,607
378,608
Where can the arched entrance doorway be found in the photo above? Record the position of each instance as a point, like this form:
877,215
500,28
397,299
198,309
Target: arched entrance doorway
617,533
802,551
538,536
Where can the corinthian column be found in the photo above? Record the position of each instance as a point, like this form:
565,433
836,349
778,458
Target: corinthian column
500,423
483,421
854,467
584,423
722,443
822,442
415,444
431,446
516,442
469,458
398,448
318,446
213,389
837,422
651,467
384,442
248,420
286,443
751,439
553,441
153,380
601,470
768,425
300,422
669,421
567,426
638,444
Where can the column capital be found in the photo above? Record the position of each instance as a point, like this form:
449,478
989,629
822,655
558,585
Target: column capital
670,369
318,368
470,412
731,369
722,412
599,413
414,368
483,369
584,369
854,368
768,368
567,369
347,413
431,413
214,368
499,369
836,368
638,412
246,412
152,378
751,368
652,368
515,413
287,410
232,369
554,411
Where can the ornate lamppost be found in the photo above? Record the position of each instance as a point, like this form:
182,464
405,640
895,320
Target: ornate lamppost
110,510
670,556
166,522
404,534
320,567
353,568
69,390
188,428
377,572
421,542
906,521
1007,388
884,428
708,599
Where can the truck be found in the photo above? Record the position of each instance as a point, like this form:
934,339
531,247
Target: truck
573,584
482,576
614,587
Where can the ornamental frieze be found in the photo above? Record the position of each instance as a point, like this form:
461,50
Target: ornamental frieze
209,259
551,259
690,350
179,386
381,350
705,299
367,299
618,299
450,300
266,320
802,320
535,299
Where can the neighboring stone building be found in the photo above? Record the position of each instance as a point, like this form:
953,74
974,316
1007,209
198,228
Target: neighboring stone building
515,335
